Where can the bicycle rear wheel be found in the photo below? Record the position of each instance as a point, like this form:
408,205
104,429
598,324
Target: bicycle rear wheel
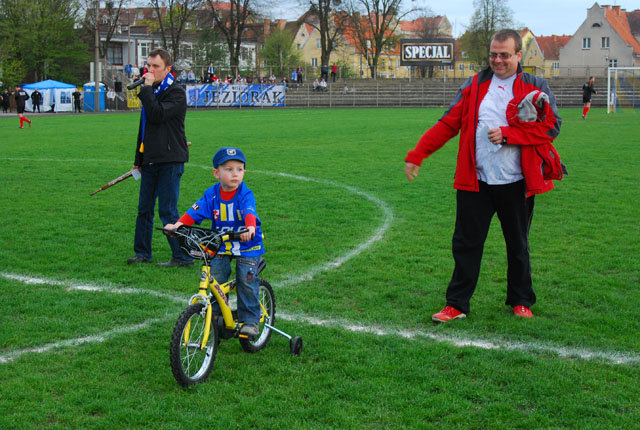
190,363
268,300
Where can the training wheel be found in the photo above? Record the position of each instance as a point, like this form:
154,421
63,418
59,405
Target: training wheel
295,345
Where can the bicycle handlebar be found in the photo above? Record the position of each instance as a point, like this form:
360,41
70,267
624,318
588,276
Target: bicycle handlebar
231,235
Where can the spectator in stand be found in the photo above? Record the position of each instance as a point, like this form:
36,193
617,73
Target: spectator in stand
294,77
191,78
211,70
284,82
334,71
183,77
250,78
324,72
36,100
323,85
316,85
299,73
135,72
128,70
215,79
6,102
144,69
261,80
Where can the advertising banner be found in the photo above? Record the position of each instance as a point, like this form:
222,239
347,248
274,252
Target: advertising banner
211,95
426,52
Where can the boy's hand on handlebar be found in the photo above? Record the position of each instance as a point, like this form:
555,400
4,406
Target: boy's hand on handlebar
171,227
248,235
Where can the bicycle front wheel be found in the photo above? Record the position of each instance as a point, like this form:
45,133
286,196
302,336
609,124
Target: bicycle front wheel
190,362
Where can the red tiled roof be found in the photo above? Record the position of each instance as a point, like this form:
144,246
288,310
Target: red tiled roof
618,19
550,45
418,25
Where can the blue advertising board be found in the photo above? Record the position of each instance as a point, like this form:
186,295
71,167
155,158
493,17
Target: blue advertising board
211,95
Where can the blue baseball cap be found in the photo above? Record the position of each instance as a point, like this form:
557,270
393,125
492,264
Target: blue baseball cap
228,153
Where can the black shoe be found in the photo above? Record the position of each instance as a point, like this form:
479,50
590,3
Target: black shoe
176,263
138,259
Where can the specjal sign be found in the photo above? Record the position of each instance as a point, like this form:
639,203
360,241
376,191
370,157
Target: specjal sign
426,52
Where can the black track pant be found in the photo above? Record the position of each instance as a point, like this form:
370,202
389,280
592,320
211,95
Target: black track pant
473,218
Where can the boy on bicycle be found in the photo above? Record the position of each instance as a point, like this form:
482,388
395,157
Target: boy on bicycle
231,207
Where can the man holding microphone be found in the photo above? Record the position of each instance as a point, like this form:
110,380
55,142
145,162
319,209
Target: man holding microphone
161,152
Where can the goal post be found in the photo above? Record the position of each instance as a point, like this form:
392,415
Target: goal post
623,88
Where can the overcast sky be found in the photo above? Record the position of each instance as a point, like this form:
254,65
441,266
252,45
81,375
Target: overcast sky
543,17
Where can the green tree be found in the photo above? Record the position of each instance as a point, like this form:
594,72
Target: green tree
209,48
280,53
489,16
38,41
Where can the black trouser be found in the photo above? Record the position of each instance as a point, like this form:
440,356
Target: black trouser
35,106
76,105
473,218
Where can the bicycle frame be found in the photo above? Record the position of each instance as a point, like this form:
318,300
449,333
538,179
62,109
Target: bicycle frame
219,292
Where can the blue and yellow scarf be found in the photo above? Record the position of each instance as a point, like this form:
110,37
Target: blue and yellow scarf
166,83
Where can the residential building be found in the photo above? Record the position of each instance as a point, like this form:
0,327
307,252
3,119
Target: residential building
607,37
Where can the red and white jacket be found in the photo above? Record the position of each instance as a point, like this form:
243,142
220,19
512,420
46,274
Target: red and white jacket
534,137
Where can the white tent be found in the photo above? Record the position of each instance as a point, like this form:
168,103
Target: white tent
56,96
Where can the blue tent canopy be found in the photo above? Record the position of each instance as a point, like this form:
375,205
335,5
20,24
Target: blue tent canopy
48,84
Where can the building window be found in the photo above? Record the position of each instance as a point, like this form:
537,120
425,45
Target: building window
555,65
613,62
461,67
299,46
605,42
472,66
586,43
441,68
383,64
314,62
114,54
317,43
452,67
145,48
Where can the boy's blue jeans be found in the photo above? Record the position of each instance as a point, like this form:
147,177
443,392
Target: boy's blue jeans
161,182
247,285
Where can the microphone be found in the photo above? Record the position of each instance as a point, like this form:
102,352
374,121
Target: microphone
135,84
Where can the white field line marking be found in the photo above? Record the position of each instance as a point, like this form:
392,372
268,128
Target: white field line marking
309,274
614,357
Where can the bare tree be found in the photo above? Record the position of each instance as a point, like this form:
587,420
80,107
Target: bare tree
427,28
322,15
489,16
231,19
107,22
371,25
173,17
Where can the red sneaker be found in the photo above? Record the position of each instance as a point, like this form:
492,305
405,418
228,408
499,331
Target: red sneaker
522,312
447,314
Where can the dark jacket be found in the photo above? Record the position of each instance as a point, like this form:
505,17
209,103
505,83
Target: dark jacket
164,140
36,98
21,97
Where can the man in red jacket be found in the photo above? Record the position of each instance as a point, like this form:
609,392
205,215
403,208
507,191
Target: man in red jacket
499,170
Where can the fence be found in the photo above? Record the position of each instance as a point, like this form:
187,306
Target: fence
387,93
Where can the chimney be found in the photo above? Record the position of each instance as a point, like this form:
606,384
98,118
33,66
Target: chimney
267,27
282,23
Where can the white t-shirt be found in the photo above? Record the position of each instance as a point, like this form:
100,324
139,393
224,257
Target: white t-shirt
496,164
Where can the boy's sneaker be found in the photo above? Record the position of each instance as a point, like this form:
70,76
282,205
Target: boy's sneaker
522,312
249,330
447,314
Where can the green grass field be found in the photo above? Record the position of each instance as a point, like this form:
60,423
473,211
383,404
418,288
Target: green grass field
359,259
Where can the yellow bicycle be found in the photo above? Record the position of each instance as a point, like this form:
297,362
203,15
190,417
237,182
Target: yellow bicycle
197,333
